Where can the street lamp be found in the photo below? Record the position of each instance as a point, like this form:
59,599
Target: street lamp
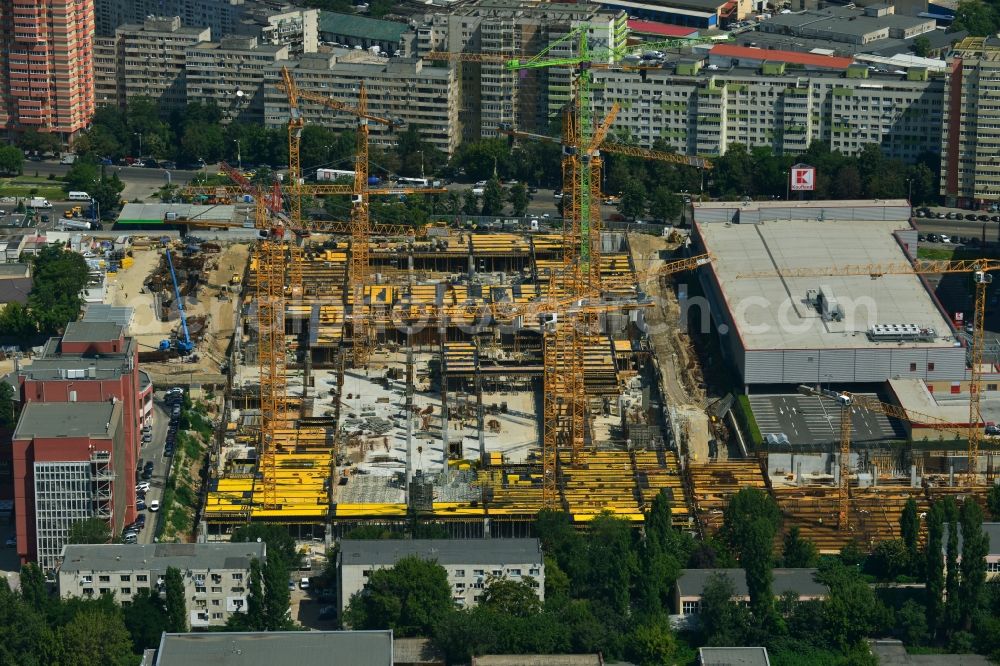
788,182
239,156
909,191
139,134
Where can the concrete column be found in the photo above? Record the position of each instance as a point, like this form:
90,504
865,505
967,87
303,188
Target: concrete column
798,473
874,476
836,469
951,473
913,476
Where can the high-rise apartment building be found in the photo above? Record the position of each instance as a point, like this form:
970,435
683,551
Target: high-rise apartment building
149,61
970,141
700,111
423,96
530,99
46,65
231,75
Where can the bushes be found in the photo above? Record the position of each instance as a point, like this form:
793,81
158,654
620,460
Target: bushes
747,421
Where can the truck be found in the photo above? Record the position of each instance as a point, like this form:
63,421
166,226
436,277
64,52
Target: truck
76,224
39,202
68,158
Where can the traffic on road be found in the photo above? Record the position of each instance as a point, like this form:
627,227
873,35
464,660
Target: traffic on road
153,467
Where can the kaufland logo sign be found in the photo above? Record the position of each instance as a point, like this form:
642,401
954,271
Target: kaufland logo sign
803,178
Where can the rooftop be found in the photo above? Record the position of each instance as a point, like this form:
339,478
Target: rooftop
15,290
92,331
444,551
663,29
538,660
357,648
892,652
733,656
8,271
118,314
773,55
691,582
361,27
159,556
992,532
774,237
156,213
66,419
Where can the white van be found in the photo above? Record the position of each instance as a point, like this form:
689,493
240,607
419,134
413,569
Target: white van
79,196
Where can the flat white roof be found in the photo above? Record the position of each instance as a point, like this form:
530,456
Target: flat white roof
772,313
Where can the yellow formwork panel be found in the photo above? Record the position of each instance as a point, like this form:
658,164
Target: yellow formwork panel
318,512
587,517
458,509
369,510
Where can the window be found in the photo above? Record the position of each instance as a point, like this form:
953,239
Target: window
366,572
514,572
215,602
141,578
126,578
691,607
237,576
87,580
238,590
126,590
216,616
478,572
930,367
199,589
498,572
459,586
913,367
104,590
534,571
104,579
991,387
216,590
459,573
88,592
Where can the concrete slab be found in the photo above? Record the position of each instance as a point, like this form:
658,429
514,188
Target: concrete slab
812,421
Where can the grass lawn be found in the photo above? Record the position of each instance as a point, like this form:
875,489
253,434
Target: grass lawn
935,253
22,186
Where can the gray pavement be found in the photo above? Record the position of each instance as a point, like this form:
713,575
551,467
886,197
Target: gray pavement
154,451
811,421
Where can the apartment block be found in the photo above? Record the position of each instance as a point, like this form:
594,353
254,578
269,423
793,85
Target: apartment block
91,368
290,26
970,137
470,563
216,575
530,99
149,61
700,111
46,65
221,16
423,96
69,465
231,74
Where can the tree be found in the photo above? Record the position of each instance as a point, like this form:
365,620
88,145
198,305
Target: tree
975,17
83,175
59,279
993,502
723,622
91,530
889,559
16,322
951,580
664,205
107,194
11,160
933,566
652,643
470,205
921,46
909,527
146,620
975,547
659,521
633,203
97,637
758,559
175,605
512,597
276,593
744,507
410,598
201,140
847,183
255,598
851,611
492,198
39,142
518,198
33,588
611,561
9,408
799,552
911,623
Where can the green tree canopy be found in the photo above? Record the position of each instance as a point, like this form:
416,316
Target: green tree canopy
176,607
97,637
16,322
91,530
146,620
511,597
492,198
11,160
518,198
410,598
56,296
799,552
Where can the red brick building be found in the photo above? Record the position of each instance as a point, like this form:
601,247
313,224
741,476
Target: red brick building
47,65
92,364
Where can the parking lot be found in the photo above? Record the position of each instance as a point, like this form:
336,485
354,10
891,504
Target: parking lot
810,420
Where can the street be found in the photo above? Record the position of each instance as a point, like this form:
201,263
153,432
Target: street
154,451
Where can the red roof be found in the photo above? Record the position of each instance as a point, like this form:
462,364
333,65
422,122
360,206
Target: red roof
664,29
792,57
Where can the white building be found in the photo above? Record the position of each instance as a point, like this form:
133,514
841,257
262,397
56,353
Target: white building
230,74
700,110
216,575
470,563
419,94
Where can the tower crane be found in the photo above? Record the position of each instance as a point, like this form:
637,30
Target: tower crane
981,271
847,401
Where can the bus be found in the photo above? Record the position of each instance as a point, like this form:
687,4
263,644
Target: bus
324,175
414,182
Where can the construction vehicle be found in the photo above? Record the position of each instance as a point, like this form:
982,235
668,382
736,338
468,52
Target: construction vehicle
75,211
183,345
981,270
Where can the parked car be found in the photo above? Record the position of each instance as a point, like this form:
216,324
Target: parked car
945,238
11,541
140,505
154,505
168,165
971,217
921,238
327,613
142,487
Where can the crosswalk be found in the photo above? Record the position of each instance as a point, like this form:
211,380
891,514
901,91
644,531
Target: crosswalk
812,420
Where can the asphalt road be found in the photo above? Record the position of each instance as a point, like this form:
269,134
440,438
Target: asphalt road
154,451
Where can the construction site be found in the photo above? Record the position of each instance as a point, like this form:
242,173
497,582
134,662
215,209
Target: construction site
381,375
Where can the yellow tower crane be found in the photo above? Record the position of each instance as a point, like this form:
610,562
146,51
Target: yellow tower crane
981,271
